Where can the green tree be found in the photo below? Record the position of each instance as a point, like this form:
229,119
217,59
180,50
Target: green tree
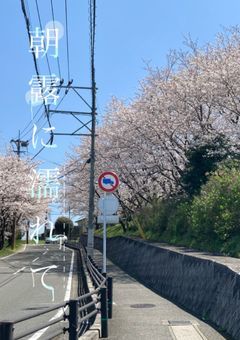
202,159
63,225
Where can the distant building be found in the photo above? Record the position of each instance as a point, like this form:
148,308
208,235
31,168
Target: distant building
80,221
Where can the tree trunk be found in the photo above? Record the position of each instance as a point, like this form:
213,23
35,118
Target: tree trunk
13,239
1,239
123,226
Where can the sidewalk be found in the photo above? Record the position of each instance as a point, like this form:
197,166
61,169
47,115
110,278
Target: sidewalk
138,313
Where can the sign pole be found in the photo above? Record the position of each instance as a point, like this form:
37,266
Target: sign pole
108,182
104,236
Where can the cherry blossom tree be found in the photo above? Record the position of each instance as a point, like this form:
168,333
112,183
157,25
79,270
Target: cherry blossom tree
195,97
16,201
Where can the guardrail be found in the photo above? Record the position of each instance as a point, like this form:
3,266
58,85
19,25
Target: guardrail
79,314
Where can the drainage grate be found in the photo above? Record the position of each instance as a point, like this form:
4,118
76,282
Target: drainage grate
143,305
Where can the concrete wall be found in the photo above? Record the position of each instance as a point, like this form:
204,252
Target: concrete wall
204,287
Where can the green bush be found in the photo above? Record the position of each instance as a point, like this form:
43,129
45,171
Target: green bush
215,213
154,218
208,221
179,222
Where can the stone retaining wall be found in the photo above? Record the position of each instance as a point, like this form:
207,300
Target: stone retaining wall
204,287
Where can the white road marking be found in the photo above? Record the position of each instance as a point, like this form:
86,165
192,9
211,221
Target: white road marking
69,284
47,286
187,332
19,270
35,259
46,269
45,252
38,334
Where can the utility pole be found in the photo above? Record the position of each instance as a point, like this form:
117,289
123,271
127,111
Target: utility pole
19,144
86,116
90,241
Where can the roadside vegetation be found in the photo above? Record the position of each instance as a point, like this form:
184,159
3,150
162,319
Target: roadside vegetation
175,147
19,202
7,249
208,221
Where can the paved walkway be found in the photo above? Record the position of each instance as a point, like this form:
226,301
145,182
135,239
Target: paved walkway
140,314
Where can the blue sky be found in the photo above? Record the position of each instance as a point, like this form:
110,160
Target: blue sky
129,33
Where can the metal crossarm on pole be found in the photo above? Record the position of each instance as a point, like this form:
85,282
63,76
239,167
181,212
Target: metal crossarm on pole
71,112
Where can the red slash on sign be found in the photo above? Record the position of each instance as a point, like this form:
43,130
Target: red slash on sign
108,181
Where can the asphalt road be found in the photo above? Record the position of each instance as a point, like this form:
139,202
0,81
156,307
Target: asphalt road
33,280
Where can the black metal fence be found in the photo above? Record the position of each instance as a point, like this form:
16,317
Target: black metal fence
79,314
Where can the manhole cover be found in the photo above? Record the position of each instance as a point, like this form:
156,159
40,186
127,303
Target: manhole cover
143,305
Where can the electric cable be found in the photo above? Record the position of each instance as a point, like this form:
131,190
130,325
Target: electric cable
53,17
41,149
42,127
30,122
66,21
41,27
27,22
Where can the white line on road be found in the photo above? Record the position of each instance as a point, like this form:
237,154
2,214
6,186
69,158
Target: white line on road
67,297
45,252
35,259
69,284
19,270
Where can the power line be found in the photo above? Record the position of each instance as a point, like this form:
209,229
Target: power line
41,149
42,127
45,160
72,170
49,68
27,22
35,115
41,27
28,9
66,21
42,116
53,17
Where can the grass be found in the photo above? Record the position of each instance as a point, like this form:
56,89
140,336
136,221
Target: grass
116,230
19,244
8,251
